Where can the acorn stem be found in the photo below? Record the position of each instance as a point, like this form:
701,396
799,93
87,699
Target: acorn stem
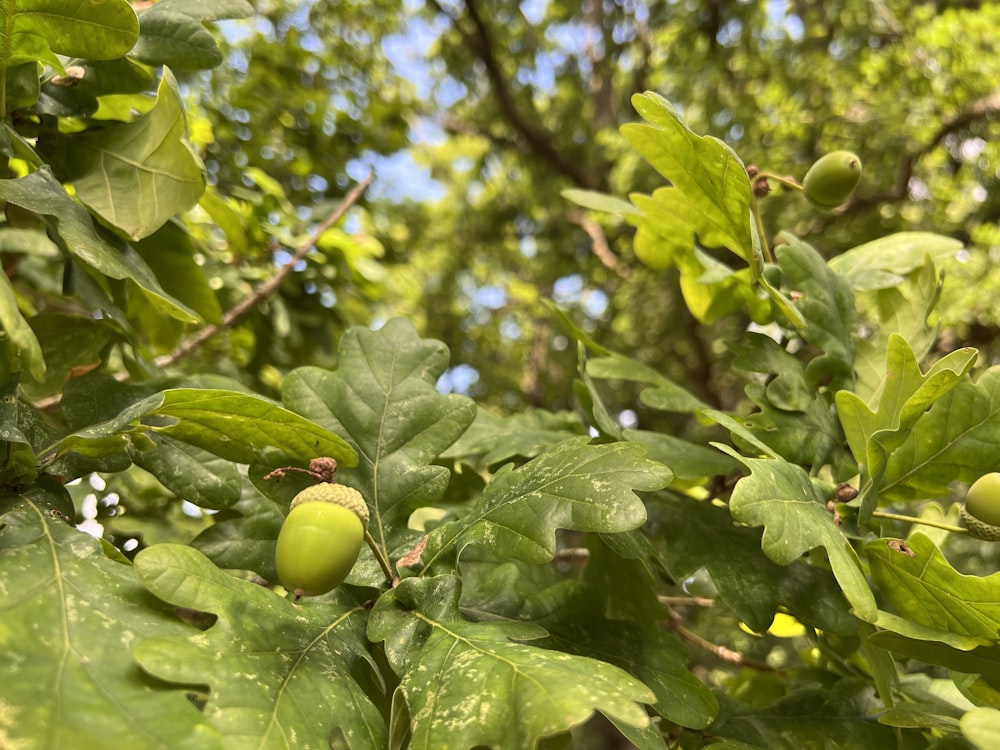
382,560
922,521
786,182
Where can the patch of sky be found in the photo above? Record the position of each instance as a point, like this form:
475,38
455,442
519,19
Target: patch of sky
571,290
398,177
510,329
528,246
534,10
458,379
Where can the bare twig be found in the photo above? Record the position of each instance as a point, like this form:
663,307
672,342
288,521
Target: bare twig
599,243
685,601
719,652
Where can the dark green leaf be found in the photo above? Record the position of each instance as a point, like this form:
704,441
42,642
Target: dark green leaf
700,535
70,618
572,485
533,692
383,401
277,670
779,496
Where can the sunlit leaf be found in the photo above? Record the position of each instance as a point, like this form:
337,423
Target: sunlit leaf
137,175
925,589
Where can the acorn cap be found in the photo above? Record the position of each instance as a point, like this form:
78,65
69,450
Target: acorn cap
338,494
979,529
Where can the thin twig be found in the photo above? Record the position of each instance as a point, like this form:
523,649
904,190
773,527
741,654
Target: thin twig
685,601
599,243
719,652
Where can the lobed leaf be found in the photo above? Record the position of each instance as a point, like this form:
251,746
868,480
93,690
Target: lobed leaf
69,619
382,399
701,535
886,261
925,589
530,692
572,485
955,440
710,191
906,395
779,496
280,674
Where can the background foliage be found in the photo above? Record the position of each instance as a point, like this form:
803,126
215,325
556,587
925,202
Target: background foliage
645,451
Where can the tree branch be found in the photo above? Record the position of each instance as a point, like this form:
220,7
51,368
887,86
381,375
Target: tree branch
977,110
540,142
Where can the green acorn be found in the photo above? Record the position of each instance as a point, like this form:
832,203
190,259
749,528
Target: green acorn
321,538
981,511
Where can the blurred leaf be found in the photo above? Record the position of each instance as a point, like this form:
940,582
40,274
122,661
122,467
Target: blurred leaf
494,438
903,310
982,727
531,692
72,344
172,34
26,349
662,393
641,648
836,716
68,619
972,659
571,485
170,253
779,496
925,589
599,201
885,262
280,673
94,85
137,175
